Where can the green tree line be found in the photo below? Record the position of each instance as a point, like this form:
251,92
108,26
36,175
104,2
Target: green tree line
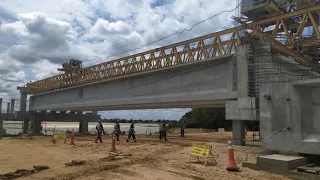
210,118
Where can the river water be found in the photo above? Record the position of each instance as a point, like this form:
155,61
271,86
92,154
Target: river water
15,127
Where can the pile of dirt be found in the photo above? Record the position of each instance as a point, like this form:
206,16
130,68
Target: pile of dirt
76,163
22,172
114,156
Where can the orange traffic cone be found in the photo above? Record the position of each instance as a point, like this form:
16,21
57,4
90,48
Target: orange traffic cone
113,146
72,137
232,166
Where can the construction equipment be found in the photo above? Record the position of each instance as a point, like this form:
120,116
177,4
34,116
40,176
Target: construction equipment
264,19
72,65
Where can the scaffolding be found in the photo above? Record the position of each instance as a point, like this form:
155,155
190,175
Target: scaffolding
268,66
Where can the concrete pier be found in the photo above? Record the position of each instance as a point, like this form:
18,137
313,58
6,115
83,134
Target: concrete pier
1,120
83,126
23,101
36,123
25,126
0,105
12,106
23,108
238,133
8,108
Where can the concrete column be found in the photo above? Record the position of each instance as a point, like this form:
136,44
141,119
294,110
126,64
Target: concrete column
12,106
23,101
238,131
36,123
1,127
25,126
8,108
0,105
83,126
1,121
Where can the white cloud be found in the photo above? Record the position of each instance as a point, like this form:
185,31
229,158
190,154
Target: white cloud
44,69
103,28
36,37
11,75
17,28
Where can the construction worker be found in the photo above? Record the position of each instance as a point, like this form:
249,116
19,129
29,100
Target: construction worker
182,129
116,130
100,130
132,132
163,133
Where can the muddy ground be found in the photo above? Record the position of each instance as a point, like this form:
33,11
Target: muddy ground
148,158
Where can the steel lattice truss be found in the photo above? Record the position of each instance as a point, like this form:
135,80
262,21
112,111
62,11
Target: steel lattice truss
217,44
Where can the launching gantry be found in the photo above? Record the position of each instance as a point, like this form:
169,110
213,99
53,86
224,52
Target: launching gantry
263,19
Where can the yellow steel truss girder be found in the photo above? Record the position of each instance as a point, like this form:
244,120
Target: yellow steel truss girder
212,45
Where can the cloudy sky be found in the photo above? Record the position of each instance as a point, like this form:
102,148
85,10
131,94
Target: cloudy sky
37,36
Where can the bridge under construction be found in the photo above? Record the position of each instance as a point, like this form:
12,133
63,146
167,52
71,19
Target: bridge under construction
265,69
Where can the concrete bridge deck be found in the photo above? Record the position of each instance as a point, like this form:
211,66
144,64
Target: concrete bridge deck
206,83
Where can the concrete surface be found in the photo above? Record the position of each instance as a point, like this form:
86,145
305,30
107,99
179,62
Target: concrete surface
276,163
238,133
297,107
242,109
206,83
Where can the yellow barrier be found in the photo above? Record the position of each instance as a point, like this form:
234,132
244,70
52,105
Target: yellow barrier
201,150
59,136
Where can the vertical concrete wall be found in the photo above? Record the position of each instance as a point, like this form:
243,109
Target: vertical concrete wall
293,107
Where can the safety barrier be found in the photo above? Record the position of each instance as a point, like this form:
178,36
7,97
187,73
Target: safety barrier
56,135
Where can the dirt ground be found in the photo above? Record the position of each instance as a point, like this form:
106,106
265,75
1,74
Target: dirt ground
148,158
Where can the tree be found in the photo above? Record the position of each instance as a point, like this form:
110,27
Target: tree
207,118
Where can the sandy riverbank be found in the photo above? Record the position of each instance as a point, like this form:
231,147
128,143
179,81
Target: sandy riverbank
149,158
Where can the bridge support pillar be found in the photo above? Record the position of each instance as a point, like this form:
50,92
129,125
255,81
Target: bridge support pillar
8,109
238,132
12,106
25,126
36,123
83,126
1,127
1,121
